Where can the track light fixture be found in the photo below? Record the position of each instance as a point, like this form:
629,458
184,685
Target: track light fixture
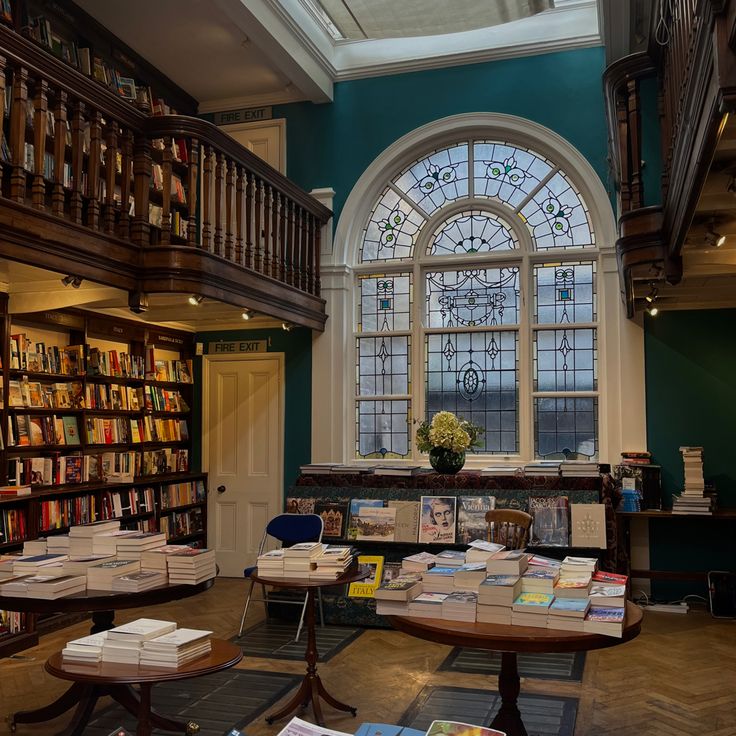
652,295
246,314
652,311
74,281
713,238
195,299
286,326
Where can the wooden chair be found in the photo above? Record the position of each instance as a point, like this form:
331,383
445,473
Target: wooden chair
509,527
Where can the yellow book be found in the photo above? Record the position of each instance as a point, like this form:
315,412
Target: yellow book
366,588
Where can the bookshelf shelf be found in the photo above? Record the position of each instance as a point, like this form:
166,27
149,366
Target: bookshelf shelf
185,507
186,538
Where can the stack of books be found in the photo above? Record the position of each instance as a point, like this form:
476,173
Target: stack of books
439,580
502,470
639,457
393,596
568,614
578,566
460,606
106,543
137,582
604,620
35,563
531,609
80,537
334,561
175,648
481,551
470,576
35,547
155,559
191,566
87,650
100,577
450,558
496,596
507,562
80,565
427,605
543,467
575,577
419,562
300,559
579,469
271,564
47,587
123,644
58,544
693,499
131,547
539,580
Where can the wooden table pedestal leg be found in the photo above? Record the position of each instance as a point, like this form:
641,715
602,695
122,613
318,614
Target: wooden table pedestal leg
74,695
508,719
102,621
311,689
133,702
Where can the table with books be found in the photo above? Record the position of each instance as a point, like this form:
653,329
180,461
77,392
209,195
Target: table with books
509,601
309,566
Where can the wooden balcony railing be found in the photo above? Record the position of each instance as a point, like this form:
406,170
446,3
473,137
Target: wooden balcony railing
93,186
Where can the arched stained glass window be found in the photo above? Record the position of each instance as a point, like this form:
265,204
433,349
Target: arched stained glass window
485,305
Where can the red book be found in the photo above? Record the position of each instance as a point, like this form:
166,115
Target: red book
612,578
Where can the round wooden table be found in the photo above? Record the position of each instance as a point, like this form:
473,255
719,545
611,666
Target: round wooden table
92,681
509,640
312,689
102,604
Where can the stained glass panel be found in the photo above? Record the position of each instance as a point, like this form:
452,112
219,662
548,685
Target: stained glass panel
473,297
557,216
383,429
471,232
565,360
475,376
565,292
384,302
506,173
391,230
436,179
566,427
383,365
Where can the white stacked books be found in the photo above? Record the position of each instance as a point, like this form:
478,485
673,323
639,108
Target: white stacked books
34,547
100,577
124,643
568,614
106,543
137,582
460,606
439,580
300,559
608,596
507,562
481,551
191,566
58,544
87,650
578,566
470,576
81,536
450,558
80,565
427,605
333,562
692,459
28,565
419,562
175,648
131,547
271,564
579,469
156,558
52,587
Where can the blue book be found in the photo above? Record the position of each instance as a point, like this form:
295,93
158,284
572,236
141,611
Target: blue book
379,729
440,571
564,606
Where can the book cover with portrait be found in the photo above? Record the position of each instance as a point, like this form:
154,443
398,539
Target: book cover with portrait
437,524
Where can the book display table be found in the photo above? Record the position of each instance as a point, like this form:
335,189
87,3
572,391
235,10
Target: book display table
102,604
312,689
509,640
93,681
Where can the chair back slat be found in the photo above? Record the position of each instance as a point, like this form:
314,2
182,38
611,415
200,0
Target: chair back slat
508,527
291,529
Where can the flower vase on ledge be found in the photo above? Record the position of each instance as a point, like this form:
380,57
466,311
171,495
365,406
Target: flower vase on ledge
446,461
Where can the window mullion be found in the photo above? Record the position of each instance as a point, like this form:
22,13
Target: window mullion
417,354
526,423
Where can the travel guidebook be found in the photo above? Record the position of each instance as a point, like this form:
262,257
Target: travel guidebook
334,516
550,521
437,523
366,588
471,517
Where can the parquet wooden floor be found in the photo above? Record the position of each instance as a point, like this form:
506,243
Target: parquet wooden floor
677,677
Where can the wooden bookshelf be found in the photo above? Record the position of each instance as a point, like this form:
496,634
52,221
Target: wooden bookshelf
148,484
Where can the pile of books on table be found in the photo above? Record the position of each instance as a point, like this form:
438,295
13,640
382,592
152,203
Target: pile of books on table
333,561
306,560
693,499
145,642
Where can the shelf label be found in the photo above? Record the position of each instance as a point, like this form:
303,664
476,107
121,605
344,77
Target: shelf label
247,115
237,346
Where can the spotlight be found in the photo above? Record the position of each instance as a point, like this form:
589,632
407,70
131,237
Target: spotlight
286,326
246,314
74,281
652,295
653,311
714,238
731,186
195,299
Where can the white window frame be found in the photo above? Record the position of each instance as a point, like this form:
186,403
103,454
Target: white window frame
620,380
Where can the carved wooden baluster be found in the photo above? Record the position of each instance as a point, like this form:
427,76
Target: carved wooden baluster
291,245
239,204
18,134
77,161
249,220
303,276
258,234
283,238
206,199
40,111
317,256
230,185
266,260
276,248
141,228
310,252
93,169
126,161
219,182
166,192
3,68
57,192
111,168
192,190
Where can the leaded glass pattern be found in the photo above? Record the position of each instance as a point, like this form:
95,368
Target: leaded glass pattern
384,302
557,216
471,232
383,429
436,179
391,230
507,173
383,365
565,292
566,427
473,297
474,375
565,360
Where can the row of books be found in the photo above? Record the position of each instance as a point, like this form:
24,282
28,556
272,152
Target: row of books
116,467
463,519
179,225
127,502
113,363
12,622
181,494
694,499
126,430
145,642
178,194
13,524
306,560
37,357
39,430
178,371
182,523
59,513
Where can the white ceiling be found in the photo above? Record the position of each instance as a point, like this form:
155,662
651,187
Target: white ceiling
230,54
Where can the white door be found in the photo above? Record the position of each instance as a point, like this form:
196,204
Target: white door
267,140
243,448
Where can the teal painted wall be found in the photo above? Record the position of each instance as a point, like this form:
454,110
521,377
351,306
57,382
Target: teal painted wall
691,400
651,142
332,144
297,348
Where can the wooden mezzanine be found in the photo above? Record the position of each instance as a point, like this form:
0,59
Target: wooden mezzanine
84,172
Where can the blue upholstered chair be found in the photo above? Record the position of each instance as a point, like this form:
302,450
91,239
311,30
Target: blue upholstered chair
289,529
